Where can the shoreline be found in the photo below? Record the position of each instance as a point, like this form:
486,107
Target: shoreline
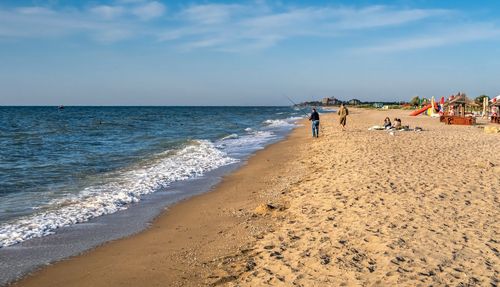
177,223
69,241
346,209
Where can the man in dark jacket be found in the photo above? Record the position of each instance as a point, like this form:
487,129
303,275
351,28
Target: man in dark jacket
314,118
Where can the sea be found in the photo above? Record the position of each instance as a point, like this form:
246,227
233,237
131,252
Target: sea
73,178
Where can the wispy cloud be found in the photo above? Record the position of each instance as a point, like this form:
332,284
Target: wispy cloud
211,13
149,10
224,27
108,12
104,23
34,11
237,27
436,38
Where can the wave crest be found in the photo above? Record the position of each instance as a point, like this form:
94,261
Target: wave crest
118,192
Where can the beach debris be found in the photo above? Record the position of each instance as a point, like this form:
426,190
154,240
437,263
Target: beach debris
491,129
266,208
392,130
376,128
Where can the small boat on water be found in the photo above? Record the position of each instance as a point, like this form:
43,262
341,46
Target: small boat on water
61,107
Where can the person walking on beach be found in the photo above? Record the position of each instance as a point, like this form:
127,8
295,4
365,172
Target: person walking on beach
343,113
314,118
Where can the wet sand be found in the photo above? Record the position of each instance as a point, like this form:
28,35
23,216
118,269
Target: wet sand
354,208
196,242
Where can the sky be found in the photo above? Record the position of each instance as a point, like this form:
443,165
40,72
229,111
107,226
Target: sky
142,52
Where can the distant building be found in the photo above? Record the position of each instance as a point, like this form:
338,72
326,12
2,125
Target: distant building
354,102
330,102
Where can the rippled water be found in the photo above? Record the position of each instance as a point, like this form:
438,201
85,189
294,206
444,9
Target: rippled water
61,167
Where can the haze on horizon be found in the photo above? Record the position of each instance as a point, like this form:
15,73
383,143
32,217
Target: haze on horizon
142,52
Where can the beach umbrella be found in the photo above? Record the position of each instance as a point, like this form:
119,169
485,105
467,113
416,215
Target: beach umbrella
496,101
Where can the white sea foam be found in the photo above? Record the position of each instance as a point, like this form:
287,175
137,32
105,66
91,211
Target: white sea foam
127,186
118,192
294,119
289,122
231,136
253,140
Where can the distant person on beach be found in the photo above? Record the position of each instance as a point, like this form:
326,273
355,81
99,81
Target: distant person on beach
397,123
343,113
387,123
314,118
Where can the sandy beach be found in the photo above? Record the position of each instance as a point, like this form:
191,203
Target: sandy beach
354,208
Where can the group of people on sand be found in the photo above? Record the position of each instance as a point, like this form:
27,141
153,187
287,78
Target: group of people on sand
343,112
389,125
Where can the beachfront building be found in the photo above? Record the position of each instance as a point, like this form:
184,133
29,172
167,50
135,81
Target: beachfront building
460,105
459,110
354,102
330,101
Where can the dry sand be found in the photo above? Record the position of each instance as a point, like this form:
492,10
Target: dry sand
354,208
413,209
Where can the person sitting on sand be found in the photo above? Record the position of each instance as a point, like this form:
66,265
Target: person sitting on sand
387,123
314,118
397,123
494,111
343,113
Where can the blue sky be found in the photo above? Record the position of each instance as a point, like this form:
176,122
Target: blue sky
141,52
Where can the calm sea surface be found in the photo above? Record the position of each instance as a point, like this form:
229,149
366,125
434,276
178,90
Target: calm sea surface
62,167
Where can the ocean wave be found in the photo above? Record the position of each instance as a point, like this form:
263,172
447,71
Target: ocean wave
256,139
252,141
123,188
278,123
231,136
